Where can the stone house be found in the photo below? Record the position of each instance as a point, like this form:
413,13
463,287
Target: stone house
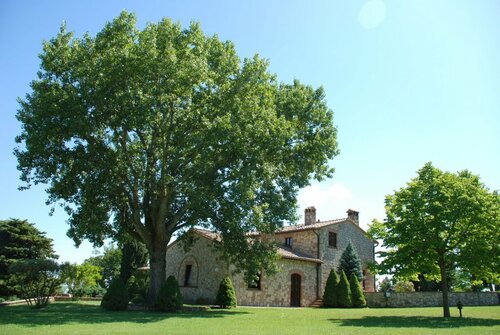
307,253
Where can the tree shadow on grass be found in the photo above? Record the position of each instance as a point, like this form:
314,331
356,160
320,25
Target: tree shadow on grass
73,312
415,322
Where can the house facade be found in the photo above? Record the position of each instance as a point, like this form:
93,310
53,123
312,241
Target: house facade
307,253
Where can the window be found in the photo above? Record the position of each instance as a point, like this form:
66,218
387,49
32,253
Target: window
187,274
332,239
364,280
255,283
289,242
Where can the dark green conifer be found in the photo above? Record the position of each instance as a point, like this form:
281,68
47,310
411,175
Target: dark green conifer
344,291
358,298
330,295
350,263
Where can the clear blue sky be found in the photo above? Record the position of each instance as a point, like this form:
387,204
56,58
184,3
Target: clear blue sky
409,82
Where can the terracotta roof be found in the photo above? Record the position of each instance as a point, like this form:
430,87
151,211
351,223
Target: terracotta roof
208,234
316,225
293,254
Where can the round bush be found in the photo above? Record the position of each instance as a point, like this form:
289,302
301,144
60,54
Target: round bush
170,298
226,297
116,298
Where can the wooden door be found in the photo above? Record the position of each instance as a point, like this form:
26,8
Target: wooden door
295,290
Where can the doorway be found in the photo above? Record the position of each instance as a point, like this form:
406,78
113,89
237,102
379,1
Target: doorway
295,290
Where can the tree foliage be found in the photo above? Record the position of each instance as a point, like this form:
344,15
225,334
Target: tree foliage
330,296
20,240
36,279
80,277
226,296
386,285
350,263
134,256
344,291
441,221
108,263
116,297
137,286
170,297
157,130
404,286
358,298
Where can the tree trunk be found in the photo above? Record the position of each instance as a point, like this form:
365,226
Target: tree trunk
444,289
157,269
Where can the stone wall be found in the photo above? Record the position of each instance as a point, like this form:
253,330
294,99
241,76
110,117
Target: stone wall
431,299
304,241
207,271
276,290
364,247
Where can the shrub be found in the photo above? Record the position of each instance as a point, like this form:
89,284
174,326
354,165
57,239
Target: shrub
344,291
36,279
116,298
137,286
350,263
330,295
170,298
89,291
358,298
404,286
226,297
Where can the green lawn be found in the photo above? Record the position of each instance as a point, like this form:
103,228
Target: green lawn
89,318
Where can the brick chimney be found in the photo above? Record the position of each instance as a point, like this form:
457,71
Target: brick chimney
310,215
353,215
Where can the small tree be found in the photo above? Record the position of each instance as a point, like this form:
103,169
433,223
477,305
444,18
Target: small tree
116,298
170,298
20,240
331,288
108,264
344,291
134,255
358,298
226,297
386,285
350,263
80,277
36,279
404,286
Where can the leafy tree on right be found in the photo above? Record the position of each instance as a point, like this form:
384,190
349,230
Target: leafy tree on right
441,221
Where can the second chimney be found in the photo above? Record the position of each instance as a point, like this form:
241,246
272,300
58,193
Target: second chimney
310,215
353,216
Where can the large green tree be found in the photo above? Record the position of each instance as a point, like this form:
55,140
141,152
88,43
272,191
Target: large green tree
441,221
20,240
157,130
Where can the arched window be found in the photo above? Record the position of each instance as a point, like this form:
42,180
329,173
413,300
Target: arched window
188,272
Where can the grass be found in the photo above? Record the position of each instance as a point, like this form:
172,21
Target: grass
89,318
